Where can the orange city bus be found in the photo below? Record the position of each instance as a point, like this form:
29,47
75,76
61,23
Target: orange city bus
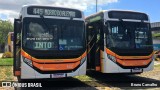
119,41
49,43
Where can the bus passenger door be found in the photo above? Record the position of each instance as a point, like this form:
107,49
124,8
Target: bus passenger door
94,35
91,37
98,46
16,47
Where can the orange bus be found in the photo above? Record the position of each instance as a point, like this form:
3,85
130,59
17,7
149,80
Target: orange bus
119,41
49,43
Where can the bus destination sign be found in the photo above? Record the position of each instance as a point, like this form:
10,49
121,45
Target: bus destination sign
127,15
54,11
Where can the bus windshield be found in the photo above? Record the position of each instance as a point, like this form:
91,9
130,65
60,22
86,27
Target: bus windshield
128,35
53,34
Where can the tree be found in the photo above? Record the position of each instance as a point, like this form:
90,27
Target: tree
5,27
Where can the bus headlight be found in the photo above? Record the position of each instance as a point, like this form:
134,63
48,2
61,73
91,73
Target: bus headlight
111,58
28,62
83,60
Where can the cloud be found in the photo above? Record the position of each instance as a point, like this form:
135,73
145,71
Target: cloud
11,8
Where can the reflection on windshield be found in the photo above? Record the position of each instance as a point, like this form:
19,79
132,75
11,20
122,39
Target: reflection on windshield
129,35
59,35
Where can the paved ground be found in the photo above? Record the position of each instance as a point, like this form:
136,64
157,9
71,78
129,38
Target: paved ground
101,81
156,62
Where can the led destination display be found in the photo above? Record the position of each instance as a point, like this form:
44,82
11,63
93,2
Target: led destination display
54,11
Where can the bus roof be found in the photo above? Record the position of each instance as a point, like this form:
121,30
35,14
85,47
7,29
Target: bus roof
103,12
122,10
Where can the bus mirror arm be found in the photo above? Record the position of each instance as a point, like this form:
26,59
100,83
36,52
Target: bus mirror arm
105,29
18,43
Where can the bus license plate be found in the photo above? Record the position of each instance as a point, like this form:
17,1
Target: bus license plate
136,70
58,75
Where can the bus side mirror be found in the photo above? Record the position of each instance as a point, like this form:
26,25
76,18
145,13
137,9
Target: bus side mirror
105,23
105,28
17,32
17,25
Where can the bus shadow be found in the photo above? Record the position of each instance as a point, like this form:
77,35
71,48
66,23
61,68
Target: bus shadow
68,83
122,80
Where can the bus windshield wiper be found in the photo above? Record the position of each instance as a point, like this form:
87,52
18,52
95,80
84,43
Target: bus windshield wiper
42,17
140,24
122,24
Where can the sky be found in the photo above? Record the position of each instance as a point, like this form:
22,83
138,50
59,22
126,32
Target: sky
9,9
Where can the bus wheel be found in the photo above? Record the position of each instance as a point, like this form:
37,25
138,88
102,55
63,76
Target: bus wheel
19,79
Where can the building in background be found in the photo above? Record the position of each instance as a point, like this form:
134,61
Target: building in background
155,27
